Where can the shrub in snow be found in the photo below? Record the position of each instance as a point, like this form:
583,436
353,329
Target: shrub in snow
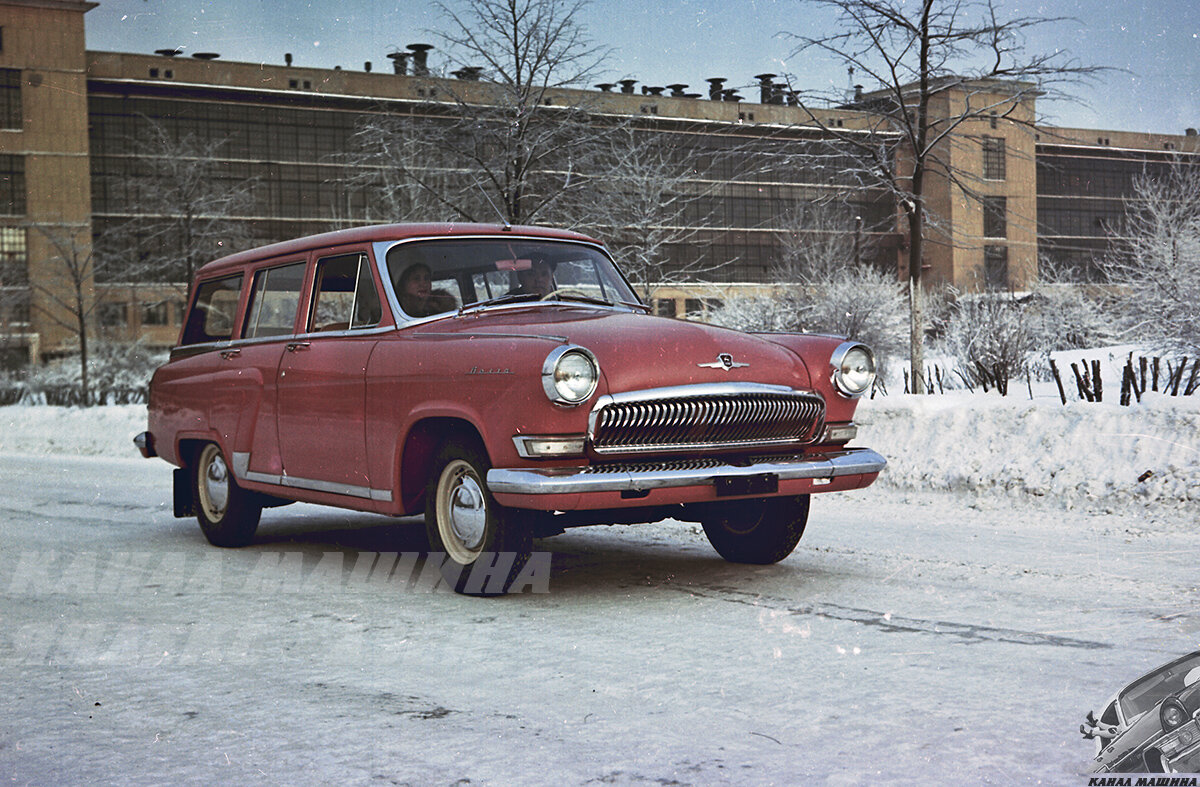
117,373
988,330
859,301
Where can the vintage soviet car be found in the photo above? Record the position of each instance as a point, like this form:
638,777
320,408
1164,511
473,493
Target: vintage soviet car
1153,724
506,382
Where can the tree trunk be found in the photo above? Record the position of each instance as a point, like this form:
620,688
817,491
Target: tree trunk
83,351
916,301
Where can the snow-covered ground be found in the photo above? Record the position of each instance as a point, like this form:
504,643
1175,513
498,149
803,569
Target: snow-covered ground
1018,561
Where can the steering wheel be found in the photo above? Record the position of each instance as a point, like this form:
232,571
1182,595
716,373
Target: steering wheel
565,291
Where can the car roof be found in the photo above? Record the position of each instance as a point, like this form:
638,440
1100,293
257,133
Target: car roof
383,232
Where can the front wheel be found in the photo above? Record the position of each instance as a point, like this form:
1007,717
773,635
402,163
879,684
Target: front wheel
228,514
756,531
486,545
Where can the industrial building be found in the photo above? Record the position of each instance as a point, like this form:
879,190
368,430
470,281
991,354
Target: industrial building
75,158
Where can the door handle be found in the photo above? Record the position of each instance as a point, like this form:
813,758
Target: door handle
230,354
294,346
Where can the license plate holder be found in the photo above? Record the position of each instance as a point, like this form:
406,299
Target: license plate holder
757,484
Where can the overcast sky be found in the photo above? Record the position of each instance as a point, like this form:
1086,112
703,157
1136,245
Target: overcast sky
1155,44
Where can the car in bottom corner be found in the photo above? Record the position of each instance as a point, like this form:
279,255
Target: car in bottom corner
1151,725
504,382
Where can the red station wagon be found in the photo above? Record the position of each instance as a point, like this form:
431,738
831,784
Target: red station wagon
507,383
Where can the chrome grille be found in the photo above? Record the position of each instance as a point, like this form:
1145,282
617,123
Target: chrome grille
727,417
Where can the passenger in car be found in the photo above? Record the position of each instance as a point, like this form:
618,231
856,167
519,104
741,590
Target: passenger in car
538,279
417,296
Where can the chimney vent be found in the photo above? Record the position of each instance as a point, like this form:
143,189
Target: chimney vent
768,91
677,90
1191,132
169,52
205,55
367,66
606,87
287,58
399,62
420,54
857,94
652,91
627,85
714,87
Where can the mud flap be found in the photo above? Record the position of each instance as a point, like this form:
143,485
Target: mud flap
185,506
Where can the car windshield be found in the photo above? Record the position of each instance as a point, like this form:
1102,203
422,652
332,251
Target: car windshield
433,277
1144,694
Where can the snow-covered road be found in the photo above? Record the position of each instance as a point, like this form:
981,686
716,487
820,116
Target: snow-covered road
912,638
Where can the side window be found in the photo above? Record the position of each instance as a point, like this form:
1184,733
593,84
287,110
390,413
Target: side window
344,296
213,311
274,300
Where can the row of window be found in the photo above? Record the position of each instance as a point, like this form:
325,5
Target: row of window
344,298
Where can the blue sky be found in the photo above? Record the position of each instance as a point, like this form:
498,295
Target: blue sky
1153,45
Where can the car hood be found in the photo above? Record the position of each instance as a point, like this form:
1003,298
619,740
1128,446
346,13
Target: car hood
637,351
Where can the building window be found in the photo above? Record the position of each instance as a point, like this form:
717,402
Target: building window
113,315
995,217
664,307
993,158
159,313
995,267
14,261
12,185
14,307
10,98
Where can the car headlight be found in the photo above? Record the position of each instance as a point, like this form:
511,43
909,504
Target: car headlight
853,369
570,375
1172,714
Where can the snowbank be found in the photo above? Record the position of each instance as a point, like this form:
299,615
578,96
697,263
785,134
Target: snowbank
73,431
1075,452
962,442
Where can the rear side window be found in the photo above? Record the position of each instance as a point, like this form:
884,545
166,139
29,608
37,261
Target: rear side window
214,311
344,295
274,300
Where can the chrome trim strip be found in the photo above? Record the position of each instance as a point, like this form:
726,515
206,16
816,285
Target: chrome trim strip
383,495
566,480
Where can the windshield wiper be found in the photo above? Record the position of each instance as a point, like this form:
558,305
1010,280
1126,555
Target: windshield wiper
512,297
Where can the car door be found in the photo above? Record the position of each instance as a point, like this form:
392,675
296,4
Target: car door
270,324
322,381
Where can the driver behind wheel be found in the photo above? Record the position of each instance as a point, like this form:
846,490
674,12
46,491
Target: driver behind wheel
537,279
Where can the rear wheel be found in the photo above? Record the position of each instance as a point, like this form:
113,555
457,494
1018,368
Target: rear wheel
228,514
756,531
486,545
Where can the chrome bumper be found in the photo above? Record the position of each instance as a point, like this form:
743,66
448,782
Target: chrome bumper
642,476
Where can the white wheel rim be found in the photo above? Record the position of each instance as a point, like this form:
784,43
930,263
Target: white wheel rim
461,511
214,483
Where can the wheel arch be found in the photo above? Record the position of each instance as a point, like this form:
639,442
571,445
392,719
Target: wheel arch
420,444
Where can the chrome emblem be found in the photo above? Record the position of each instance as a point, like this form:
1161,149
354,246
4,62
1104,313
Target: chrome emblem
724,361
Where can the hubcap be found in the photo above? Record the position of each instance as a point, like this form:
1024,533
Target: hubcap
462,511
214,483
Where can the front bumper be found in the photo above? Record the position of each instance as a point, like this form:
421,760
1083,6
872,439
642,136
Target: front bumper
644,476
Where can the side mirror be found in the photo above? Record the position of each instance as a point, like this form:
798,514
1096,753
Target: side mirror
1091,718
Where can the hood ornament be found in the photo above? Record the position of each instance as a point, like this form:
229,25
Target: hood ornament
724,361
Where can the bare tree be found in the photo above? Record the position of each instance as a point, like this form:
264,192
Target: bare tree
1156,262
915,53
183,212
501,144
67,297
643,197
825,283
